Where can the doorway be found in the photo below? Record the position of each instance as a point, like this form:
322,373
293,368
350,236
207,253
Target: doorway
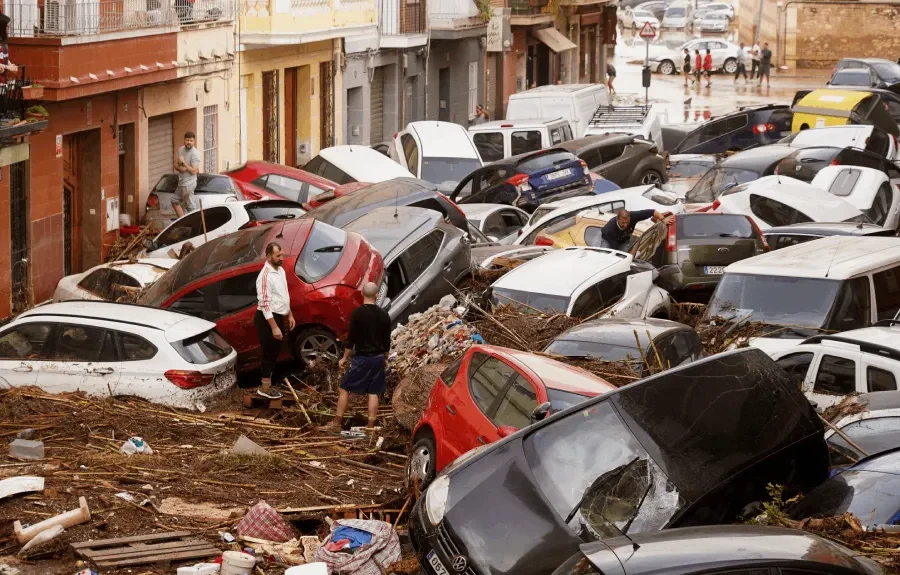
290,117
82,196
19,221
128,200
356,115
326,103
538,68
271,145
444,94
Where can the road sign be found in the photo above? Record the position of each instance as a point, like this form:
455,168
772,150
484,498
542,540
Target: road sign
647,31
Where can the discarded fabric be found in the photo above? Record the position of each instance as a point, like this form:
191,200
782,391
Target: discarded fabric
263,522
373,559
356,537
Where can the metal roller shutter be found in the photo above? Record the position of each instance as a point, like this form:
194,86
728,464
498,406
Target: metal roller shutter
376,125
160,148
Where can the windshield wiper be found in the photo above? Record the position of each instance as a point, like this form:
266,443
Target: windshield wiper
328,249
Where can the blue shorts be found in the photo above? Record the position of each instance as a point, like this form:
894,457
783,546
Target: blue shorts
366,375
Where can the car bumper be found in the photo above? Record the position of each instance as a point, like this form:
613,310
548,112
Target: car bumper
586,189
427,539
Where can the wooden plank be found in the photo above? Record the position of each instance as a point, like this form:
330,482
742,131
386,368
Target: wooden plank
150,553
132,539
140,547
168,557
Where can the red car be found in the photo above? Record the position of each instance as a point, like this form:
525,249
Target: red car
326,269
338,192
282,181
487,394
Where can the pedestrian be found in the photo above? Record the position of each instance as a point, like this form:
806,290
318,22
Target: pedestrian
754,59
741,64
616,234
273,319
686,67
698,65
5,64
481,115
370,342
610,77
765,64
187,164
707,67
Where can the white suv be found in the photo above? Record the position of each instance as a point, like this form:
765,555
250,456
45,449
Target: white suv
106,349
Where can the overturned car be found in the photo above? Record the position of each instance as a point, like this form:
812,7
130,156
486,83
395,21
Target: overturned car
691,446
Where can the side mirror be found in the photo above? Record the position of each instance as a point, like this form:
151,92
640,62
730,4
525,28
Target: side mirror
506,430
540,412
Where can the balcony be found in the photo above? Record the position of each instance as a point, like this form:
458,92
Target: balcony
402,23
529,12
284,22
17,119
450,19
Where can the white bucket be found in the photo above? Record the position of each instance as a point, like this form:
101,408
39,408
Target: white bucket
237,563
308,569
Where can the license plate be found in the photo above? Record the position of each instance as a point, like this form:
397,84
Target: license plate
714,270
436,564
560,174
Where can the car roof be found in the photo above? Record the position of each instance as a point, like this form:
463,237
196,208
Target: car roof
443,140
367,164
558,375
481,211
835,257
575,146
868,60
877,334
511,124
756,158
619,331
555,89
262,167
809,199
827,229
561,272
343,210
387,227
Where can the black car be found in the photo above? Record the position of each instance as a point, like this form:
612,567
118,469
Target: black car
881,73
740,168
784,236
735,550
397,192
690,446
746,128
805,163
527,180
624,159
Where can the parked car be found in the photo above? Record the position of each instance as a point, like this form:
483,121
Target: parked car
548,482
685,170
715,22
582,282
583,229
399,192
872,425
573,102
785,236
871,191
679,15
741,168
438,152
200,226
287,182
888,99
731,548
527,180
490,393
723,54
505,138
832,107
849,288
805,163
720,7
635,18
325,267
212,190
424,256
338,192
740,130
112,281
861,137
614,339
104,349
884,73
345,164
655,7
498,222
625,160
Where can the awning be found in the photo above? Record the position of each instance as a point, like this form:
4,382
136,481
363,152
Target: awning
554,40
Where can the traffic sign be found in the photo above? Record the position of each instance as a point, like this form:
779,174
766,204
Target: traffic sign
647,31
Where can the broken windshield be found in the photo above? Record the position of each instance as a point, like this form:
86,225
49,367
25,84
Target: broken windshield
714,182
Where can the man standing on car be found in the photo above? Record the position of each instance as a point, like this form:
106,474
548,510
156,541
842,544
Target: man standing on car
616,234
273,318
187,164
370,342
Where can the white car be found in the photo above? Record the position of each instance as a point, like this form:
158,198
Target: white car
635,18
499,222
583,282
502,139
723,56
632,199
714,22
211,190
438,152
859,136
719,7
780,201
109,282
870,190
219,221
346,164
874,430
105,349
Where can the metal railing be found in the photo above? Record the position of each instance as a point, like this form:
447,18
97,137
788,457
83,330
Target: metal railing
85,17
528,7
310,6
398,17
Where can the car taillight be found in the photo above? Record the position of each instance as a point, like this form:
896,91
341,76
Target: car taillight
759,233
543,241
835,162
189,379
584,166
152,201
763,128
671,239
253,224
453,205
517,180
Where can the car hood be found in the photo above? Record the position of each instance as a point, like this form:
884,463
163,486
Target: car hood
483,254
773,345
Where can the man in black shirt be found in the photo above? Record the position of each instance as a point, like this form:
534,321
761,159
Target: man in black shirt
616,234
370,341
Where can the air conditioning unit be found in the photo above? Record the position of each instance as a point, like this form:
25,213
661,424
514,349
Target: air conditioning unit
55,16
72,17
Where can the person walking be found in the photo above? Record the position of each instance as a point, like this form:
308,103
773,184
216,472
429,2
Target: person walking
273,319
610,77
741,64
369,341
616,234
765,64
707,67
187,164
698,65
754,59
686,68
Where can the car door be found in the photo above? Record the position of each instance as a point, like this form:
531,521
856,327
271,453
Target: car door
81,358
612,160
23,350
426,277
834,375
720,53
141,375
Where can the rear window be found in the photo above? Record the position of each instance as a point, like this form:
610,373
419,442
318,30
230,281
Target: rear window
775,213
490,145
545,161
844,183
274,210
596,350
207,347
687,169
214,184
530,302
805,164
447,171
321,253
852,78
660,197
713,226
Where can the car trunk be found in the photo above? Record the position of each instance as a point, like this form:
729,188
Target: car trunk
714,251
705,241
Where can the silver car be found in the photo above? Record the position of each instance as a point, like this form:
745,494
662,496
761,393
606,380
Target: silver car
724,56
714,22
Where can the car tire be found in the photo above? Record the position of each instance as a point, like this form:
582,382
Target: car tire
314,343
422,466
666,67
730,66
650,178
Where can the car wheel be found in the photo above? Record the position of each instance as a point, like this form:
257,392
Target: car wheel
421,468
730,66
667,67
315,343
651,178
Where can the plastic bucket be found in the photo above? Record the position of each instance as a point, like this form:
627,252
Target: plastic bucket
308,569
237,563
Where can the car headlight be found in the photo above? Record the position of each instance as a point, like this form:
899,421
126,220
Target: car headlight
436,499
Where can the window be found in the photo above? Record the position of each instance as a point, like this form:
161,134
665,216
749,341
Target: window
501,224
321,253
490,146
322,167
448,376
26,341
84,344
851,310
881,204
887,293
136,348
735,122
210,139
411,153
490,177
205,348
273,210
313,191
592,158
473,88
775,213
517,404
567,133
593,236
796,365
191,226
522,142
610,153
221,298
880,380
555,136
287,188
679,348
836,375
109,284
488,381
844,182
717,226
600,296
421,254
878,142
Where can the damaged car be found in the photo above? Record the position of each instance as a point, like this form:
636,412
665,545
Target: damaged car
122,279
870,425
645,457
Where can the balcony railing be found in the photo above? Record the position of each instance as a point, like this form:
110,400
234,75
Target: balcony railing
398,17
528,7
86,17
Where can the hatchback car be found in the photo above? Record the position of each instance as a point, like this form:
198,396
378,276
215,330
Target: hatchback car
679,15
869,190
692,251
634,19
212,190
872,430
113,281
625,160
105,349
527,180
487,394
785,236
499,222
325,267
424,257
584,229
438,152
287,182
746,128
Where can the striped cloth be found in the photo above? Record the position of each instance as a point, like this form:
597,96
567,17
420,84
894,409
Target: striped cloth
371,559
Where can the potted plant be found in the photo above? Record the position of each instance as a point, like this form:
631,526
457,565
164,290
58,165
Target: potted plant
36,113
33,92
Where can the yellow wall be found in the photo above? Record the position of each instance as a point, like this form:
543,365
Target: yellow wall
279,18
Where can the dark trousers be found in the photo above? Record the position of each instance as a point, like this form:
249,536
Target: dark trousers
741,69
271,347
754,69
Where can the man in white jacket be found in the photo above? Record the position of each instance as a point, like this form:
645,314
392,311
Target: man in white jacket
273,318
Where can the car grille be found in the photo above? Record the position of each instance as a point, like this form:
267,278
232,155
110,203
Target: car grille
449,548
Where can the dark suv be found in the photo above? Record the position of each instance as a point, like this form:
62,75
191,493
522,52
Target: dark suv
740,130
624,159
805,163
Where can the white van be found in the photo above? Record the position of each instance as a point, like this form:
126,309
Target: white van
505,138
346,164
574,102
438,152
643,121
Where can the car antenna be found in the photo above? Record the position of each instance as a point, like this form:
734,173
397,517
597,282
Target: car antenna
396,201
836,248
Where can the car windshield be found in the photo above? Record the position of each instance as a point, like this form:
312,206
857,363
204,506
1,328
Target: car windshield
714,182
873,497
706,226
562,400
642,14
675,12
530,302
688,169
801,302
321,252
888,71
851,78
449,171
597,350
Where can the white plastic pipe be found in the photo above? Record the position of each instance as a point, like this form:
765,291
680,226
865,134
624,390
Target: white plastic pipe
67,519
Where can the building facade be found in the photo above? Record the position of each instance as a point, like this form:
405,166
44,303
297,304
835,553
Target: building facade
455,73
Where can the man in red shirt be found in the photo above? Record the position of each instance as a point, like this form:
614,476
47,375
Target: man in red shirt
707,67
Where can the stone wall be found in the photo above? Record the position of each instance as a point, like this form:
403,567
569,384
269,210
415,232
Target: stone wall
826,33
